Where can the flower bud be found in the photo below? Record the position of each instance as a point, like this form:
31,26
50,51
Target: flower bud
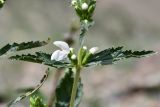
85,22
93,50
84,6
73,57
71,50
84,51
2,1
73,3
91,9
85,47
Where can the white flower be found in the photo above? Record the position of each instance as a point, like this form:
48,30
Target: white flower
62,54
93,50
84,6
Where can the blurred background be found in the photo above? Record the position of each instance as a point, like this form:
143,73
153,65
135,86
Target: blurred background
134,24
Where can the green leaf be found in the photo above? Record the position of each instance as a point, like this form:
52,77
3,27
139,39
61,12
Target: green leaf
32,91
111,55
41,58
2,3
64,89
36,101
21,46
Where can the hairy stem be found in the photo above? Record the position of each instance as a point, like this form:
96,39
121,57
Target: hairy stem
75,86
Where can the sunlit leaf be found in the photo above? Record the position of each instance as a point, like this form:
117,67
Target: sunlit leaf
36,101
21,46
32,91
64,89
111,55
41,58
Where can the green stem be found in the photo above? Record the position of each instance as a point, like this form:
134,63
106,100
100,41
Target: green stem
80,56
75,87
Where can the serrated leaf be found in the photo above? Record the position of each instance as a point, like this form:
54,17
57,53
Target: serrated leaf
64,89
22,46
28,89
2,3
24,90
30,92
111,55
41,58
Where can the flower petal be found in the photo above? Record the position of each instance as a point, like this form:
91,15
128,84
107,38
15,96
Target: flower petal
59,55
63,45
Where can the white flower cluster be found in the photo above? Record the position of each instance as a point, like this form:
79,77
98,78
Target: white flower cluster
84,6
62,54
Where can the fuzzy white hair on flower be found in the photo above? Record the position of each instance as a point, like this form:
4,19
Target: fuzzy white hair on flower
93,50
62,54
84,6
